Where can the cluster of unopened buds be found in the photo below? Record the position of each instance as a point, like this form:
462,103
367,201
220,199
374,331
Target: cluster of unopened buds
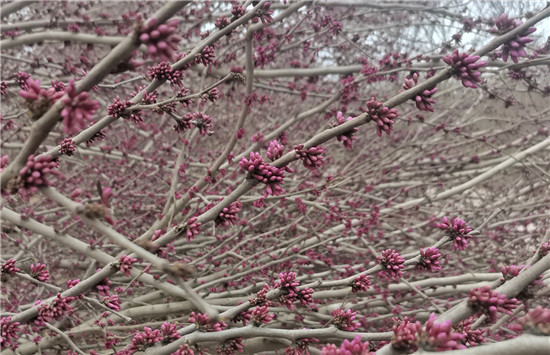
405,334
490,302
192,228
354,347
440,336
457,230
537,321
34,173
289,284
392,263
424,99
311,157
361,283
9,267
383,116
78,109
164,72
274,150
429,259
465,67
160,39
204,324
271,176
228,215
348,137
125,264
344,320
514,48
261,315
119,109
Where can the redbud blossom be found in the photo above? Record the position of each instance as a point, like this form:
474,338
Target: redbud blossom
348,137
490,302
537,321
275,150
405,335
164,72
392,263
263,172
515,47
78,109
457,230
424,99
160,39
354,347
429,259
383,116
9,267
118,109
361,283
344,320
465,68
440,336
311,157
9,332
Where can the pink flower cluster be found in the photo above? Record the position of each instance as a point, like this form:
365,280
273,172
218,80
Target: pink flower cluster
514,48
118,109
344,320
261,315
112,302
206,56
392,263
472,337
405,334
311,157
231,346
429,259
440,336
54,311
274,150
67,146
203,323
125,264
348,137
201,121
9,332
144,340
164,72
264,14
3,88
169,332
383,116
288,283
360,283
490,302
509,272
228,215
465,68
271,176
32,91
193,228
537,321
33,174
424,99
9,267
354,347
457,230
78,107
39,272
160,39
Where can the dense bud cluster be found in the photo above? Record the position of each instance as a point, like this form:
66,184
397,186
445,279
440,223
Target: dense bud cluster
440,336
424,99
457,230
164,72
78,108
9,332
465,68
9,267
361,283
263,172
354,347
228,215
274,150
311,157
344,320
392,263
383,117
490,302
515,48
405,334
118,109
67,146
429,259
537,321
348,137
160,39
34,173
204,324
